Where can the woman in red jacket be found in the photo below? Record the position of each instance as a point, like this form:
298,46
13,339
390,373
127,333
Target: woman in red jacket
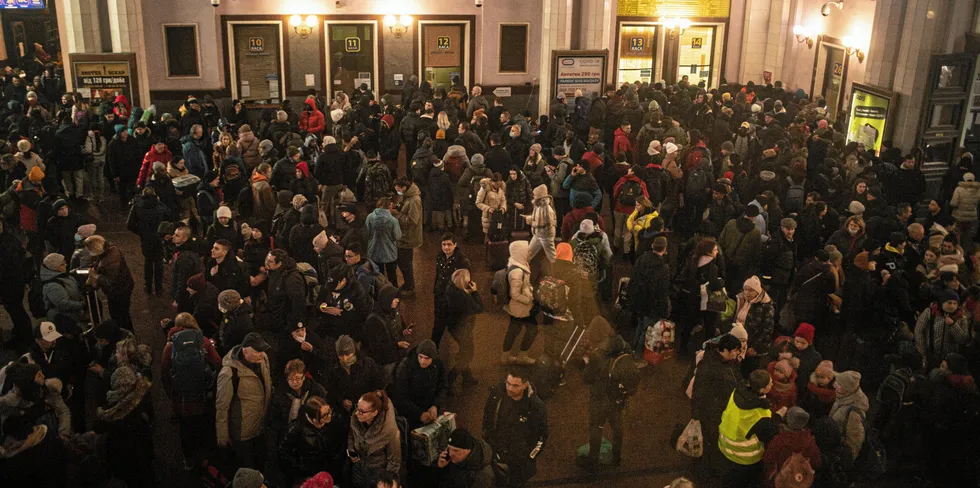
311,121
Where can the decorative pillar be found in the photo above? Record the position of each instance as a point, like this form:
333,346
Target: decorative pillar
923,34
888,26
126,30
556,27
79,25
779,29
597,25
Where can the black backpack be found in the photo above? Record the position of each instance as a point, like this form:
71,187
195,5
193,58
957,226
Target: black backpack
624,378
192,377
698,179
629,192
35,297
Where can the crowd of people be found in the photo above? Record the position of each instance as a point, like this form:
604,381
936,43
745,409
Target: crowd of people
827,307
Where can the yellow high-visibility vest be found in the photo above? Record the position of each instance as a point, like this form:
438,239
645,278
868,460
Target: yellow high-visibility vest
735,424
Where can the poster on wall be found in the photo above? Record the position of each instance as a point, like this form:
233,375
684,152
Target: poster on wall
869,115
105,76
578,70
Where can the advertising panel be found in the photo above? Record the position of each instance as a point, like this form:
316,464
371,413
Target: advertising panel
579,70
868,115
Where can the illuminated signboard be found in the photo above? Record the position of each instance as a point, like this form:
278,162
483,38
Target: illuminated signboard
22,4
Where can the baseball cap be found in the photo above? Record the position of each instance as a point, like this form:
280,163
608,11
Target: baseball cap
49,332
255,341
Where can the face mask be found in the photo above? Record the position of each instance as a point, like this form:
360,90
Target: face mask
78,238
400,193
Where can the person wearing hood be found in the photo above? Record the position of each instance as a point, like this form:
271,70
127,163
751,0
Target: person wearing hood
819,394
581,181
144,219
225,228
747,427
242,400
468,187
409,215
581,209
27,452
794,438
373,444
466,462
519,306
543,222
491,198
604,406
421,385
329,172
964,204
383,338
311,121
850,238
343,304
515,425
383,234
849,410
286,291
127,422
440,198
301,236
740,243
30,390
196,151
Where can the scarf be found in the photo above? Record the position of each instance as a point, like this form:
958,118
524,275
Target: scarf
826,395
742,310
541,217
124,401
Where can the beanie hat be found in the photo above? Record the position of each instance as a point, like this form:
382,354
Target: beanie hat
248,478
586,227
969,177
536,148
320,241
738,330
428,348
223,211
948,295
855,208
345,345
670,148
462,439
321,480
805,331
229,299
848,381
53,261
653,148
563,252
825,370
728,146
196,282
796,418
23,145
265,146
822,124
86,231
35,175
387,119
784,368
159,167
752,211
58,204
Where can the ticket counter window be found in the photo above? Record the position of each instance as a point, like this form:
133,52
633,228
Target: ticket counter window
257,63
442,53
352,61
696,45
637,49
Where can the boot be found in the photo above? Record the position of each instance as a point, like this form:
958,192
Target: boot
506,358
523,358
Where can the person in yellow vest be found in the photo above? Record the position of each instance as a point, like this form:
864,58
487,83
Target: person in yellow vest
747,425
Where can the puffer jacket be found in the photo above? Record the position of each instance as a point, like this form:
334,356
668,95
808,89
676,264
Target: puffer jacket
248,144
964,201
519,191
543,220
519,281
410,219
489,200
241,417
377,444
311,121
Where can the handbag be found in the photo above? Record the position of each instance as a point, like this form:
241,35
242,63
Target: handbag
691,441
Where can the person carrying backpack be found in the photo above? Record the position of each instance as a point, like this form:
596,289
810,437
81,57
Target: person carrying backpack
518,298
849,412
188,367
625,193
795,196
612,376
592,253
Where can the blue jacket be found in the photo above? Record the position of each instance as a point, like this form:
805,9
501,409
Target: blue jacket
383,233
596,193
195,160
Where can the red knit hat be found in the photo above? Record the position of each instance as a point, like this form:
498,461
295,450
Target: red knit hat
805,331
321,480
196,282
388,120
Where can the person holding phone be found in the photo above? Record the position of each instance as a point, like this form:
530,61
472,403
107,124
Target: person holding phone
466,462
463,303
373,445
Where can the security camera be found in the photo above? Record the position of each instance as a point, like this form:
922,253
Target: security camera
825,10
215,3
478,3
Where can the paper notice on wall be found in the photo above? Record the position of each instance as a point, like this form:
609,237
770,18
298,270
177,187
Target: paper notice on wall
246,90
364,74
359,81
310,79
274,87
399,77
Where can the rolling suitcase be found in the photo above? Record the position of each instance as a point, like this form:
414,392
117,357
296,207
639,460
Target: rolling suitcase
497,255
548,372
430,440
497,231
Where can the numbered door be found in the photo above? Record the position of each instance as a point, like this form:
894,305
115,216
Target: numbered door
637,54
352,58
695,56
833,81
257,67
443,53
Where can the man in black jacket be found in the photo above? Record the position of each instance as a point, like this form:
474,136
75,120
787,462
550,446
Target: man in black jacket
59,233
466,462
602,407
186,261
352,375
779,262
343,304
450,259
515,424
144,219
648,292
717,375
287,291
224,270
422,385
329,172
497,158
125,158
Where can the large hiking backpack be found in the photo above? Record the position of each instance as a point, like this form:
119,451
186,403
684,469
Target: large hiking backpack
795,471
500,285
656,180
552,295
312,282
871,461
377,182
586,258
192,376
35,297
795,196
629,192
624,378
697,180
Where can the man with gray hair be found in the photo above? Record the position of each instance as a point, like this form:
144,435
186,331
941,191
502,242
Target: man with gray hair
197,151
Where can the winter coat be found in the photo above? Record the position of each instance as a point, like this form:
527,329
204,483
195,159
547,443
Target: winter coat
383,329
572,219
364,375
128,427
740,243
964,201
186,263
287,296
849,421
418,388
617,189
306,450
283,174
518,191
410,219
583,184
934,338
519,282
355,305
532,433
784,445
13,403
263,199
489,201
378,445
714,381
498,160
144,220
152,156
68,147
234,326
241,416
311,120
287,404
195,158
248,145
465,185
384,233
301,236
440,194
648,291
59,233
329,168
476,471
114,277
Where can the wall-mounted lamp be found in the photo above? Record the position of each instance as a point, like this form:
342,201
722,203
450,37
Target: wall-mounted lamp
803,35
675,26
851,50
303,27
398,26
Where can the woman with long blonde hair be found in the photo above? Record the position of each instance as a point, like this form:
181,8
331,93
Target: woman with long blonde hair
465,302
